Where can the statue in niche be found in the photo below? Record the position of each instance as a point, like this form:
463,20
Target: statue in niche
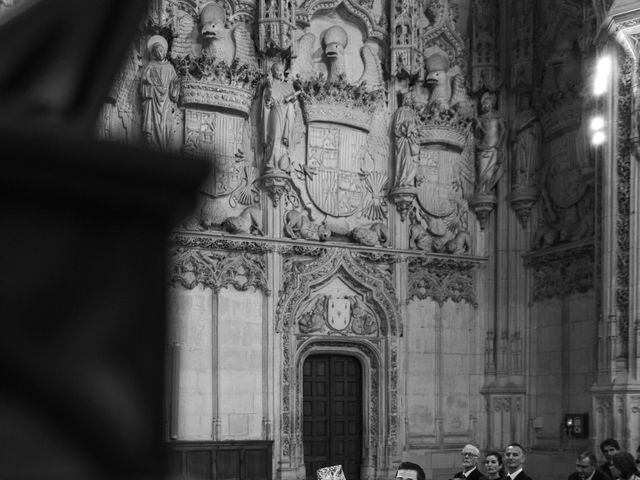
314,319
563,70
526,146
407,145
160,87
278,113
362,322
490,132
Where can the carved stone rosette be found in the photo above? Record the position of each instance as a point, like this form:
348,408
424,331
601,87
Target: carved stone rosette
306,281
442,280
560,272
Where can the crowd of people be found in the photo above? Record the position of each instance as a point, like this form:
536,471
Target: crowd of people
509,465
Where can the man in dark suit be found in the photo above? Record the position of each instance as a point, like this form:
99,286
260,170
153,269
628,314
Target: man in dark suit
587,468
513,460
470,455
609,447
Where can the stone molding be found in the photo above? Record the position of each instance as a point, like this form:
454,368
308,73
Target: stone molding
303,278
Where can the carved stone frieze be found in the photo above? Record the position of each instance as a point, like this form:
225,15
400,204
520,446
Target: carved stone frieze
216,270
442,280
216,243
561,272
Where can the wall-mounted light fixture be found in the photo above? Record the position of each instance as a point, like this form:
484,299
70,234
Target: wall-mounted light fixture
601,81
602,76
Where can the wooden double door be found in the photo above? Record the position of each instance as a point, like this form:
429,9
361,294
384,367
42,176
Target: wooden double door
332,414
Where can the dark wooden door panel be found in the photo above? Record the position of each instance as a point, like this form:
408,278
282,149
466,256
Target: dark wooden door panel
332,414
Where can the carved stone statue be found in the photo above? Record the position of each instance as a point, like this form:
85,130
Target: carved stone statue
407,146
297,225
490,132
278,119
335,41
314,319
375,235
160,89
249,221
212,19
526,146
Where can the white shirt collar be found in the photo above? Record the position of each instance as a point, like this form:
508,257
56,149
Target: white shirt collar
468,472
515,474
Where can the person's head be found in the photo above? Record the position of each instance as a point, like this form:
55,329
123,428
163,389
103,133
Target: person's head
609,447
157,47
638,455
277,70
513,457
488,101
409,471
623,465
494,465
470,455
586,463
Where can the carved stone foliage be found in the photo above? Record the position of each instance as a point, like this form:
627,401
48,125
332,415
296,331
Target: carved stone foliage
217,270
623,160
442,280
561,272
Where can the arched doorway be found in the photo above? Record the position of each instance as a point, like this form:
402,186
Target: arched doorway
332,414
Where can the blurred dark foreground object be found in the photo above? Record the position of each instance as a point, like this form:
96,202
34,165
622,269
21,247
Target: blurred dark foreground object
82,254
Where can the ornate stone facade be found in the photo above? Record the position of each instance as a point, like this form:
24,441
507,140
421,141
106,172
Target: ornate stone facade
318,118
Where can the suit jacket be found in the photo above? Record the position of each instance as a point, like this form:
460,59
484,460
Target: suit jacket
521,476
604,469
598,475
475,475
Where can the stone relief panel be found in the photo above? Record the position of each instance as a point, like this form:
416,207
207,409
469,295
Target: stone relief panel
337,309
566,178
442,280
341,169
433,142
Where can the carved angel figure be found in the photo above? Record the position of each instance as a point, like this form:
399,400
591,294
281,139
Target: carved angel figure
160,87
278,115
490,132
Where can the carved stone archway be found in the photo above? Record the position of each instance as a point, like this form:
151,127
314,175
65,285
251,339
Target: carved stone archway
377,353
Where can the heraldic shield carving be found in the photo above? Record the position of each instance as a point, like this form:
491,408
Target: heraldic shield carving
333,153
217,137
437,172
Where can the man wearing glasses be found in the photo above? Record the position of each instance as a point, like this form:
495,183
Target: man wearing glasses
470,455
